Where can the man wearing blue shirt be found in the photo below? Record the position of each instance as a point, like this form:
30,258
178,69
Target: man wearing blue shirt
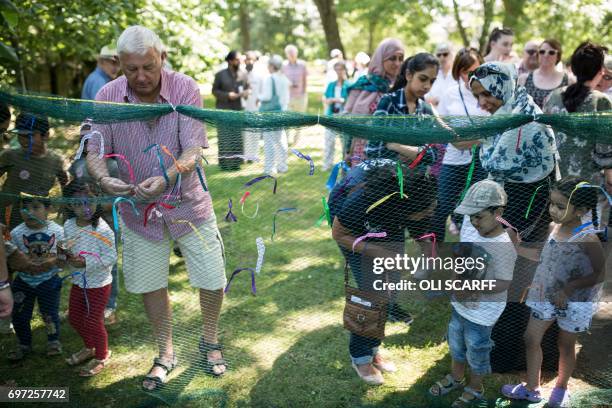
106,71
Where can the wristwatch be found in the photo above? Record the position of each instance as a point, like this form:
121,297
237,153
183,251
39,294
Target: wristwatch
4,285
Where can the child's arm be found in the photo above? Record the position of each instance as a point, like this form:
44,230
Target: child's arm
595,252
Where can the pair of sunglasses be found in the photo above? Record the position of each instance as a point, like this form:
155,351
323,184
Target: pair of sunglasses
531,52
398,58
484,71
442,54
550,52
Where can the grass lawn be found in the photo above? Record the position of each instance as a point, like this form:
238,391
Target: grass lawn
286,346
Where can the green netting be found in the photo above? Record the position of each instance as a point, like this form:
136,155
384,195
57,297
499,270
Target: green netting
400,129
285,343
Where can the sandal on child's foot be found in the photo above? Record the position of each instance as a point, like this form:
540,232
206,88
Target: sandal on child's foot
521,392
213,366
80,356
157,381
559,398
19,353
468,397
54,348
445,385
94,366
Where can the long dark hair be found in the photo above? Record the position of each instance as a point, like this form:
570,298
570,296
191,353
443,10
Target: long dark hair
579,197
586,62
496,35
79,186
413,64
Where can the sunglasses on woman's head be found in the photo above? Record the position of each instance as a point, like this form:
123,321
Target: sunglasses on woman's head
484,71
442,54
550,52
398,58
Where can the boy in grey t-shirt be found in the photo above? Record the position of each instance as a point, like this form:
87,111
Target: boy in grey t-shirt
475,313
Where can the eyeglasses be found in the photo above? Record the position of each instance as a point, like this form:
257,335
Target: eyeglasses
442,54
398,58
550,52
531,52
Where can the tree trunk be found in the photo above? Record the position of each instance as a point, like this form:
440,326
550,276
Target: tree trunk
488,6
371,31
329,19
513,14
245,26
464,37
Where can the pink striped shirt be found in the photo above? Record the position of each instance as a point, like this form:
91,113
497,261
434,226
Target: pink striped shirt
178,133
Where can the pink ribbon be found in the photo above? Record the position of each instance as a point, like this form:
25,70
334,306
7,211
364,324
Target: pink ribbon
431,235
369,235
507,224
126,162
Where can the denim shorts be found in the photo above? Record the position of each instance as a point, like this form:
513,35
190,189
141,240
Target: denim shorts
471,342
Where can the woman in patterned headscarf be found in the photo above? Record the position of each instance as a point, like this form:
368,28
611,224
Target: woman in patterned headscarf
364,94
521,159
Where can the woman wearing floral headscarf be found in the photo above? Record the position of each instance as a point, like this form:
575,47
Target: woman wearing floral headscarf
364,94
521,159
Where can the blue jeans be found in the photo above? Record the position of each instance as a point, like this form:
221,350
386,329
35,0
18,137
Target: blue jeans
451,183
362,349
112,300
471,342
48,295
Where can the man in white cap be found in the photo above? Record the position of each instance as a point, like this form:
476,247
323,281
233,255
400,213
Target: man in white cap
444,80
106,71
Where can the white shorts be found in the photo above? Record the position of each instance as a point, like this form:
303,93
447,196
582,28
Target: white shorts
575,319
146,263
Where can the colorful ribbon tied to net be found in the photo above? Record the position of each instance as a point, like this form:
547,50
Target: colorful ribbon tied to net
533,196
280,210
260,178
200,173
84,279
326,214
194,229
382,200
261,250
179,167
175,193
160,159
243,200
87,137
99,236
127,164
230,217
236,272
333,176
305,157
400,178
507,224
581,231
116,216
431,235
240,156
419,157
151,209
368,235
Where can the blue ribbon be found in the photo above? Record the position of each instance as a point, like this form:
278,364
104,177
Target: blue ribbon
236,272
116,217
305,157
200,176
160,158
230,217
62,279
333,176
280,210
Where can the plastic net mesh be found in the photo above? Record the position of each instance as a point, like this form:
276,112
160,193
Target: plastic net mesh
266,241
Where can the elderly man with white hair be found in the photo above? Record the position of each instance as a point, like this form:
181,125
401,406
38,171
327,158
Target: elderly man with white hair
147,244
295,70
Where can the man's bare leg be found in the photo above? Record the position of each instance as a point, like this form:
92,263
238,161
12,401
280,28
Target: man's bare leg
159,312
210,305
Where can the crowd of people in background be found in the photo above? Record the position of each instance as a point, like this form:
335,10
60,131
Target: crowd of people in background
505,172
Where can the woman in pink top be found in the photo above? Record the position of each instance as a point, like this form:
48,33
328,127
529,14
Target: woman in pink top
363,95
